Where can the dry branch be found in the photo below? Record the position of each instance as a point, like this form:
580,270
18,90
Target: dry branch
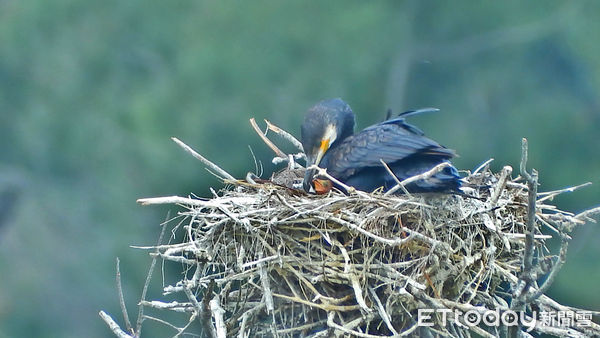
268,142
206,162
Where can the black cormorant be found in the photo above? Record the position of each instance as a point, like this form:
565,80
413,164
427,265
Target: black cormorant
355,159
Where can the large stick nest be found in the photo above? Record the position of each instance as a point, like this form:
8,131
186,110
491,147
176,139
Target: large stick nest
261,259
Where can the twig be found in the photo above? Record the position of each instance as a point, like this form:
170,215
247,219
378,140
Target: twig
113,326
285,135
173,306
398,182
527,274
122,299
351,275
140,320
203,314
164,322
562,258
586,215
549,195
326,307
266,140
382,313
504,174
218,313
423,176
348,189
171,200
304,327
206,162
266,285
531,210
180,330
331,323
482,166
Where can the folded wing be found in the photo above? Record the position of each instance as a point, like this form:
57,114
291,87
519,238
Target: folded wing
391,141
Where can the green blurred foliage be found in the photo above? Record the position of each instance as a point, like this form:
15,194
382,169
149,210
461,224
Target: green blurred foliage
90,93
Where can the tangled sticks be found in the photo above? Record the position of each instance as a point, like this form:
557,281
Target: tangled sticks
261,259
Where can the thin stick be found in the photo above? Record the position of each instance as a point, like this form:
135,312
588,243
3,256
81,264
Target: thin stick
285,135
218,313
122,299
339,327
429,173
551,194
382,313
206,162
527,274
171,200
531,209
585,215
353,279
266,140
398,183
562,258
140,319
506,171
113,326
482,165
202,312
326,307
266,285
323,172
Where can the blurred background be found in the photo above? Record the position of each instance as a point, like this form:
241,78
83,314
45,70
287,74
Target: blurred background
91,92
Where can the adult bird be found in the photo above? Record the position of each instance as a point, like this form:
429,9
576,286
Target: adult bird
355,159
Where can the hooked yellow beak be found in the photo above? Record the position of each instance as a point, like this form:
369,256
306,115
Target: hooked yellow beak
326,141
322,149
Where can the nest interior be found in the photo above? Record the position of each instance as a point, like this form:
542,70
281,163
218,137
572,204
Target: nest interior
267,260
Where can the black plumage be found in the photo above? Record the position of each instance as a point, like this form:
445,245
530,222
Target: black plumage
355,159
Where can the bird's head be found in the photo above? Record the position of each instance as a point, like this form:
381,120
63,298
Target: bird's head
326,123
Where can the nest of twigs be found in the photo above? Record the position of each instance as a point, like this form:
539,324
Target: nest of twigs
262,259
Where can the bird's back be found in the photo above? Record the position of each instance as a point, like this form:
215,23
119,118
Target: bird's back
356,160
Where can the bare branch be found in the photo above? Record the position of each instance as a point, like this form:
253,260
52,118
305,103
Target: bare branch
504,174
549,195
347,189
113,326
482,166
206,162
285,135
170,200
266,140
527,270
218,313
586,215
122,299
562,258
382,313
138,325
398,183
428,174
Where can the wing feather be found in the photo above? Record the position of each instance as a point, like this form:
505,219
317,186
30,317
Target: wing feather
390,141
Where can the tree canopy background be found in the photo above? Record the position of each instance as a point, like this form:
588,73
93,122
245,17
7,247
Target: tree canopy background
91,91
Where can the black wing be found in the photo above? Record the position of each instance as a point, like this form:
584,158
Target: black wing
390,141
